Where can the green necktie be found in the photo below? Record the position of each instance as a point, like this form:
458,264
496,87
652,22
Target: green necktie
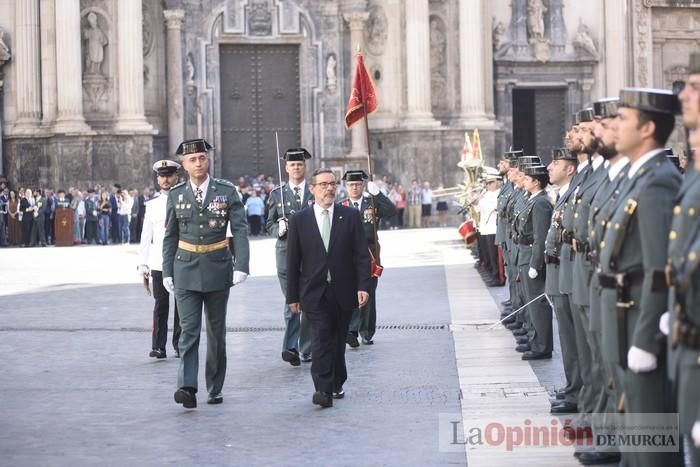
325,228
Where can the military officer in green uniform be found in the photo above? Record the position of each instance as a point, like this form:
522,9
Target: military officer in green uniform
505,168
633,256
683,276
282,203
561,172
532,225
373,206
198,267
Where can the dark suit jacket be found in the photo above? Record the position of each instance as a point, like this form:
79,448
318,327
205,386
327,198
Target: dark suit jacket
308,262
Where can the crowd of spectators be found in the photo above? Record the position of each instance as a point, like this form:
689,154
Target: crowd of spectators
113,215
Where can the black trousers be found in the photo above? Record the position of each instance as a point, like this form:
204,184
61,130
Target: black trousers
91,231
255,223
160,315
329,329
490,254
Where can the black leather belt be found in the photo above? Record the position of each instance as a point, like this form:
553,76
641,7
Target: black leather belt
549,259
525,241
566,237
624,279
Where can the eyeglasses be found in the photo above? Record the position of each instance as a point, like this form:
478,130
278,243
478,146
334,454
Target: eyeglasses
326,185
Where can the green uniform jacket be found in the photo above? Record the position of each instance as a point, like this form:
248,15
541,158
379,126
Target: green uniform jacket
204,272
637,240
501,205
385,208
552,243
274,206
533,223
566,265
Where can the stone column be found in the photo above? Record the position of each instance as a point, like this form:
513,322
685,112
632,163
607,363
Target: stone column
615,47
356,22
28,66
48,62
69,66
419,109
131,117
176,122
472,60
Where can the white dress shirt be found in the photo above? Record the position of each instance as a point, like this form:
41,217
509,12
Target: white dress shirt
617,167
301,186
204,187
151,246
581,166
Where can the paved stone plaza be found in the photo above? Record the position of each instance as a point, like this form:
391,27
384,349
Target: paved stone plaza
79,388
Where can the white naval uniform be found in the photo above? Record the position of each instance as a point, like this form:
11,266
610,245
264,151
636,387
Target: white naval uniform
151,246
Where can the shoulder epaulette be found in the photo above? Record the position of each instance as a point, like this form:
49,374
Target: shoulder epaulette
179,185
224,182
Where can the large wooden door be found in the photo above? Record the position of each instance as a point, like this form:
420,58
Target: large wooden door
259,95
539,117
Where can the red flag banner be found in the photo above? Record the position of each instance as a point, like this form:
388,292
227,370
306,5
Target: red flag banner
362,91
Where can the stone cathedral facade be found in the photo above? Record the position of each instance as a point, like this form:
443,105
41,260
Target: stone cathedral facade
93,91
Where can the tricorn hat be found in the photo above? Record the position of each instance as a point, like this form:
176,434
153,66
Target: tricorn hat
584,115
563,154
512,156
650,100
165,167
606,108
526,161
193,146
355,176
296,154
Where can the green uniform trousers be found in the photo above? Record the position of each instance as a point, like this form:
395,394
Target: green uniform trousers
189,305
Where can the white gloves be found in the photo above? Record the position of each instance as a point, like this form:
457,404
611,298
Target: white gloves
143,270
282,228
532,273
169,285
238,277
664,323
695,433
640,361
372,188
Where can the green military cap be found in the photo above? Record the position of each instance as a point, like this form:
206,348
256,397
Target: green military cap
650,100
574,119
535,170
584,115
296,154
355,176
606,108
165,167
193,146
694,63
563,154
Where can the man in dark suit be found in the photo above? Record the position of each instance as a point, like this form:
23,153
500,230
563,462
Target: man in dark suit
328,275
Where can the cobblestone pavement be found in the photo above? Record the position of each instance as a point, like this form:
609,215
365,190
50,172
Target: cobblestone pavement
79,389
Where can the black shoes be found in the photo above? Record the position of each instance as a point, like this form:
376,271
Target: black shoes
157,353
215,399
563,407
533,355
324,399
367,341
352,341
306,357
561,394
521,339
291,357
506,320
339,394
522,348
507,303
515,325
186,397
177,353
520,332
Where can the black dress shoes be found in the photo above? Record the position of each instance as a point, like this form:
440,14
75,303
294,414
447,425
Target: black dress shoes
515,325
520,332
215,399
508,320
367,341
339,394
561,394
533,355
507,303
157,353
291,357
595,458
564,407
522,348
306,357
521,339
352,341
324,399
186,397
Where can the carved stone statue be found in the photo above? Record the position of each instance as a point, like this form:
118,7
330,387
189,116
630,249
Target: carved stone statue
499,32
535,19
96,41
331,78
584,41
438,59
5,54
189,70
376,31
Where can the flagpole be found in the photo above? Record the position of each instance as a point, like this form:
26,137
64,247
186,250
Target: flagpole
369,163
